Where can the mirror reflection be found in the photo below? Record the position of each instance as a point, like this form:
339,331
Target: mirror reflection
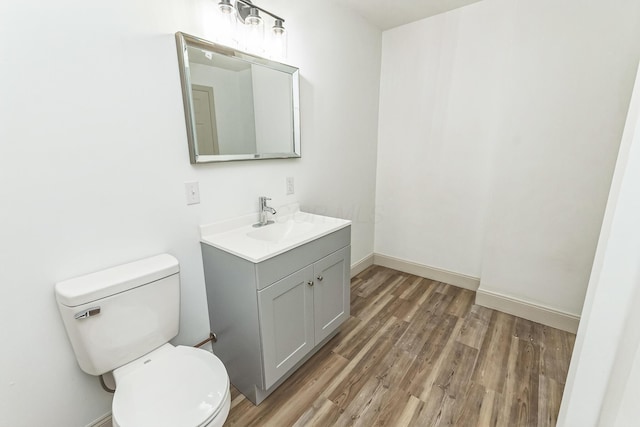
237,106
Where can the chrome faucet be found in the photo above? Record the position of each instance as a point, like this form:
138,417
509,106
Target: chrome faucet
263,211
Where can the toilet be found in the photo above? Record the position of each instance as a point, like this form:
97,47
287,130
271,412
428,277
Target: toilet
121,320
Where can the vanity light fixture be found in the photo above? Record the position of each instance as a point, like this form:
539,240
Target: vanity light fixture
242,24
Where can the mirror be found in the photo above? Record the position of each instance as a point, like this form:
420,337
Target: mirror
237,106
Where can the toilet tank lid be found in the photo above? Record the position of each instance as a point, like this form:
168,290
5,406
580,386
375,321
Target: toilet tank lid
101,284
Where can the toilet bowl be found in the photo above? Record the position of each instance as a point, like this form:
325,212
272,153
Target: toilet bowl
121,320
172,387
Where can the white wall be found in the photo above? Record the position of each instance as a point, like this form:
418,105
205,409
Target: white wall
440,114
602,387
93,157
504,118
572,68
339,112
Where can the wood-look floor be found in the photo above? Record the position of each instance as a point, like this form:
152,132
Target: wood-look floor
416,352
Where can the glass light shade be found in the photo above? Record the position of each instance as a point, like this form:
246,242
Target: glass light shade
225,24
254,32
278,43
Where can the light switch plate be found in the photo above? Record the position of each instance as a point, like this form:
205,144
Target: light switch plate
290,189
192,192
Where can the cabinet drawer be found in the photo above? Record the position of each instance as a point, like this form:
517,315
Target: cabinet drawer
274,269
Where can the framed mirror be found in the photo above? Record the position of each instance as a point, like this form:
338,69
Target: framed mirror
237,106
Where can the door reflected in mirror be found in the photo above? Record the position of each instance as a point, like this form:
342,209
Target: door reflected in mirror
205,117
237,106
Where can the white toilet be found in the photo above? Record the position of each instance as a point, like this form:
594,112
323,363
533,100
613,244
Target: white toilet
121,320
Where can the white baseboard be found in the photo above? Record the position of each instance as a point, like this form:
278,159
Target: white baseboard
361,265
457,279
527,310
104,421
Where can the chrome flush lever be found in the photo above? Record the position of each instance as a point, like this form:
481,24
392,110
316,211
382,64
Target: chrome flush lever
87,313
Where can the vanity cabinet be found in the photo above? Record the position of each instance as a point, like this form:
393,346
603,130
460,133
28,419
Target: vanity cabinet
271,316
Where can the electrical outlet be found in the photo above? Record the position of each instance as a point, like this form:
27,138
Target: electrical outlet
290,189
192,192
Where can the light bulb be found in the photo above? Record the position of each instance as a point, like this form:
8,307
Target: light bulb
226,7
278,28
253,18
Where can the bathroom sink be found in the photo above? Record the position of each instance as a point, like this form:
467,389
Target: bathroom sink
291,228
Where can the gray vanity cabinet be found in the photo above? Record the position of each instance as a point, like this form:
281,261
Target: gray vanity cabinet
271,316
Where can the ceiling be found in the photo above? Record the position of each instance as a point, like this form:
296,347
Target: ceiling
386,14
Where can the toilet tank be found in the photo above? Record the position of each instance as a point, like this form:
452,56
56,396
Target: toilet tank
116,315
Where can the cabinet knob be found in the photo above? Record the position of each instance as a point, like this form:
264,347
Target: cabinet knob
310,283
320,278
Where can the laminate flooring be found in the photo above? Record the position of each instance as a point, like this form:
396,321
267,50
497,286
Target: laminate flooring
416,352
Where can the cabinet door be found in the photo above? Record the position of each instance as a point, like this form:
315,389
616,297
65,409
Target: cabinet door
286,323
331,292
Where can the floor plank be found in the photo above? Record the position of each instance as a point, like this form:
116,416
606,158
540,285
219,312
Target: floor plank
417,352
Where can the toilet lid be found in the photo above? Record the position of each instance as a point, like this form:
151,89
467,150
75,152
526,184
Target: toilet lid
183,387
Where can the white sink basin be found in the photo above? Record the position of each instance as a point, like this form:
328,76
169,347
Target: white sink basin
291,228
281,230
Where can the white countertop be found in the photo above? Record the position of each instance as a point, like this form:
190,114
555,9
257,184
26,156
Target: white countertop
292,228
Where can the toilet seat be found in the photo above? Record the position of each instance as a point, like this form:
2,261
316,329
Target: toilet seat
171,386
